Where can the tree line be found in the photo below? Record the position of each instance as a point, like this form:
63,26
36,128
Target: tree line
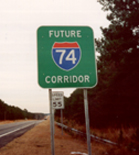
115,99
8,112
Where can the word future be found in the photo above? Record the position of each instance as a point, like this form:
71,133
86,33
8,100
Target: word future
64,33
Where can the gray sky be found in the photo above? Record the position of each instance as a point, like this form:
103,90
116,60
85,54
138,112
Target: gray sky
19,21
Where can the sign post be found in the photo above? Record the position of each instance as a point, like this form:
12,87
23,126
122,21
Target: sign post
51,123
62,120
58,103
66,59
87,121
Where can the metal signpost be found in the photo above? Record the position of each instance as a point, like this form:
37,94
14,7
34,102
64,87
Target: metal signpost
62,120
51,123
66,59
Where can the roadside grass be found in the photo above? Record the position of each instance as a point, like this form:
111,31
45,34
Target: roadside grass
5,122
37,141
127,138
31,143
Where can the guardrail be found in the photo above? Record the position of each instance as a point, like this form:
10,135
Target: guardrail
96,138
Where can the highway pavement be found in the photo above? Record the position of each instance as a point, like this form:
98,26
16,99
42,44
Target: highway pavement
12,130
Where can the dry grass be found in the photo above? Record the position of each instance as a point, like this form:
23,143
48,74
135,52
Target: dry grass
125,137
30,143
12,121
37,142
5,122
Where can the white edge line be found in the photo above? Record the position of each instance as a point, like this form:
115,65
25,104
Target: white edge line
15,130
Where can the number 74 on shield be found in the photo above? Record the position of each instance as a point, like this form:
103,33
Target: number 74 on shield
66,58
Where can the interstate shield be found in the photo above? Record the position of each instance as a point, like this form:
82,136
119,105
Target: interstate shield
66,55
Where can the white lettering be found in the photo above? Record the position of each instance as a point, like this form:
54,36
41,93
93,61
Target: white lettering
56,35
80,79
73,33
59,79
67,35
50,33
87,78
64,33
71,56
79,34
70,79
53,79
61,55
74,79
67,79
46,79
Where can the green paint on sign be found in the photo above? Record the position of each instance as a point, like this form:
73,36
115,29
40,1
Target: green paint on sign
66,57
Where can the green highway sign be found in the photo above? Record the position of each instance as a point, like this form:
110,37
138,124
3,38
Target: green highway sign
66,57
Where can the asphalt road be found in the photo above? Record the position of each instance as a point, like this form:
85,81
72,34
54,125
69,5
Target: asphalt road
12,130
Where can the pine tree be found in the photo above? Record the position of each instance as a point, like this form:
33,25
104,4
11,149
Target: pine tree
121,39
119,60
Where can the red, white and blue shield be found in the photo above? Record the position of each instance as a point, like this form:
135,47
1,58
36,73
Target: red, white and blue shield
66,55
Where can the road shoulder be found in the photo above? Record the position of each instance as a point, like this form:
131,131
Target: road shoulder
37,142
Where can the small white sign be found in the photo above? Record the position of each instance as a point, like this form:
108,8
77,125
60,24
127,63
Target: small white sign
58,100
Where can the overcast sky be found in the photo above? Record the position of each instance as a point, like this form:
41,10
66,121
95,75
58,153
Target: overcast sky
19,21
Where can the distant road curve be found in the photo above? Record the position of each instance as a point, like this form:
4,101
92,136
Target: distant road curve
12,130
